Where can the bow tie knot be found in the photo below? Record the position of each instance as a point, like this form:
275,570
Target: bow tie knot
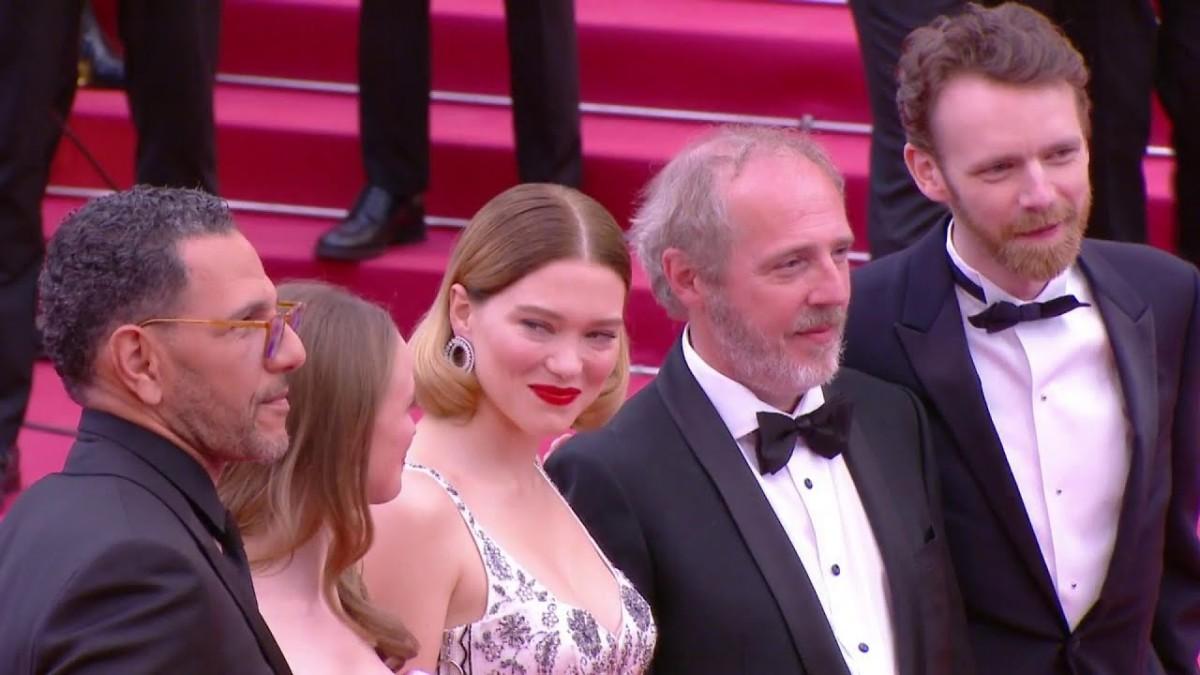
1004,315
825,431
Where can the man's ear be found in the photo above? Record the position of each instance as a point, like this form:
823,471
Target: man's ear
683,277
135,360
460,311
926,174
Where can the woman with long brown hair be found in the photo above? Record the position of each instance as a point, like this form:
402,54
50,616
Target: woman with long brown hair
480,555
306,519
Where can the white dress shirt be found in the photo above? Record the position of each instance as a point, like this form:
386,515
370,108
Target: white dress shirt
1053,393
819,508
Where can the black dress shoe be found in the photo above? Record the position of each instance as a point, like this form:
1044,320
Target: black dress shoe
377,221
10,472
99,66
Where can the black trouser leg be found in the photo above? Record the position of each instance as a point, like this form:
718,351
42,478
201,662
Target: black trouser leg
897,213
393,100
38,51
1179,86
170,64
544,67
1121,86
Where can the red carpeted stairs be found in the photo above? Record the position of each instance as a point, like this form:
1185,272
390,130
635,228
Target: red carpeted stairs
653,75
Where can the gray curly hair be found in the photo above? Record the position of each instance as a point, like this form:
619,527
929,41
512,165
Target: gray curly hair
116,261
683,207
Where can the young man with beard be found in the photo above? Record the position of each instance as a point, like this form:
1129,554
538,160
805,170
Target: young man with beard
772,509
1062,374
162,324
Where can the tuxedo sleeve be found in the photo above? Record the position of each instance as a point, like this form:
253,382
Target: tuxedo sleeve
1176,634
955,619
137,607
591,486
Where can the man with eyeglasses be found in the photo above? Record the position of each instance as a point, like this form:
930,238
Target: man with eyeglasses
163,325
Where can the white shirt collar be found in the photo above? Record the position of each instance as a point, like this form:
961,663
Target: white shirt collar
991,292
737,406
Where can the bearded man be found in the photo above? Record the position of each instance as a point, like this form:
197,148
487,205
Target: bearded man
1061,374
162,324
778,513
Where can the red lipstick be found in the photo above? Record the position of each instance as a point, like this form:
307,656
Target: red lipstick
555,395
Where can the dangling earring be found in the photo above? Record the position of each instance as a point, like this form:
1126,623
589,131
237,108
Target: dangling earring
460,353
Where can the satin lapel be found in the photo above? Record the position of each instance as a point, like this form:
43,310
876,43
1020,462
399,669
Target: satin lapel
931,333
107,459
865,461
1130,326
760,529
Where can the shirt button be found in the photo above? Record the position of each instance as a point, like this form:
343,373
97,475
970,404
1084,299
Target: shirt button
836,569
1043,397
862,647
808,483
1058,491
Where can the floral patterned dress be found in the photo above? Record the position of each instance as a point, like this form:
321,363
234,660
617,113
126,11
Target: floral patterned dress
526,630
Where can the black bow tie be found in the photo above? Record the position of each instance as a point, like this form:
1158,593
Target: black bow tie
1003,315
824,431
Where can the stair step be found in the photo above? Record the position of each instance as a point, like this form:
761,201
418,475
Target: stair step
759,58
299,147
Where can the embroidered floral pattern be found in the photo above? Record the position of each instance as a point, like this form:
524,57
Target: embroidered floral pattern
527,631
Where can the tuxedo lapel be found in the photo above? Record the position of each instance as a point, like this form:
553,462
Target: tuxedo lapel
1130,327
107,459
866,464
760,529
931,332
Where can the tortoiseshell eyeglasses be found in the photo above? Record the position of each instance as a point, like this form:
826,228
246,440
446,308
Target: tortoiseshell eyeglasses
289,313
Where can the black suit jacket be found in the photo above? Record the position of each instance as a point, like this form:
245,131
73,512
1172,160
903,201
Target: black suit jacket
665,491
905,327
112,566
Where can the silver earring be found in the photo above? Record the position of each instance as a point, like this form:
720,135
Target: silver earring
460,353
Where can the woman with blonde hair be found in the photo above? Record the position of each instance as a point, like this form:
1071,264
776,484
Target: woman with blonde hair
305,518
480,555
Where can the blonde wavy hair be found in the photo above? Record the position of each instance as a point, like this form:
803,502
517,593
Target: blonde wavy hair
518,232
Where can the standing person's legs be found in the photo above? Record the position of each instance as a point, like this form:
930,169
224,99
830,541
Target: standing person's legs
544,68
38,50
394,79
1117,42
1179,86
171,66
897,213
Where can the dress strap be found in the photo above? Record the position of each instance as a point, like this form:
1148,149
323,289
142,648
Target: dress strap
452,493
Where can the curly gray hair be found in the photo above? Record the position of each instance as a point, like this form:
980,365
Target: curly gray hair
116,261
683,207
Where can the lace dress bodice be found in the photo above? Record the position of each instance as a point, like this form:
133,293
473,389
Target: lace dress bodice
526,630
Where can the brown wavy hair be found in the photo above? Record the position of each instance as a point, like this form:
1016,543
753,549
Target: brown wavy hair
1010,44
519,231
321,482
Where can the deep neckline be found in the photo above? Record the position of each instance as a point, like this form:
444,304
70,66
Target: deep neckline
474,524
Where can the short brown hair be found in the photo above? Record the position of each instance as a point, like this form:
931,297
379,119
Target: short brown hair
1010,43
321,481
519,231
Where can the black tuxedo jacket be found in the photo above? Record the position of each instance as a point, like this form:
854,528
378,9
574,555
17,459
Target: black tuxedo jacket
112,566
905,327
666,493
